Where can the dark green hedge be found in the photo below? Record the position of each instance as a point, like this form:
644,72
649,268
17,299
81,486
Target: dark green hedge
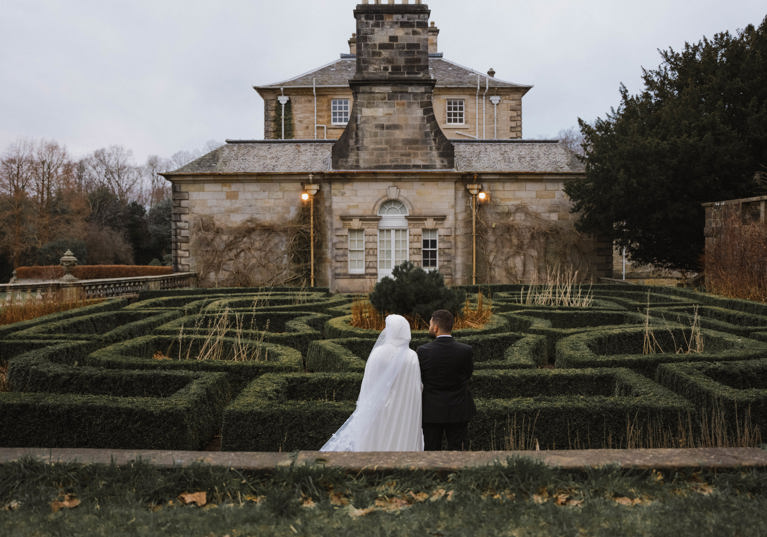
137,354
227,291
623,348
340,327
265,418
9,330
41,371
581,408
295,329
186,420
493,351
317,302
336,355
715,318
102,326
13,347
556,324
733,392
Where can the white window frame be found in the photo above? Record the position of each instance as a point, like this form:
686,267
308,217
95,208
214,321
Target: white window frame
356,251
388,241
430,235
339,111
392,232
455,111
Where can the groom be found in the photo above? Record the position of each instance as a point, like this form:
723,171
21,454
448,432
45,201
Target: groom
446,367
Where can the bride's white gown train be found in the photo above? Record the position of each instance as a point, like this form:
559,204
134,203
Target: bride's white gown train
388,412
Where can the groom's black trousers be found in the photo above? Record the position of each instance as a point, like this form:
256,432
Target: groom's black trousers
457,436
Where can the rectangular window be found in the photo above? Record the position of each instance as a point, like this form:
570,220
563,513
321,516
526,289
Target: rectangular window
392,250
356,251
429,249
455,112
339,111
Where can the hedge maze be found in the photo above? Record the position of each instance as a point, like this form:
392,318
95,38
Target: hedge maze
279,370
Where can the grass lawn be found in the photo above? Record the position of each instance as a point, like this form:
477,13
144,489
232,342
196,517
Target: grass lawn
519,498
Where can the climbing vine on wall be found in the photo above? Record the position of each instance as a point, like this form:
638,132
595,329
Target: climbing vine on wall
253,253
516,244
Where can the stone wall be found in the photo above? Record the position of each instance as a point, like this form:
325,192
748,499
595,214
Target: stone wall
392,123
505,122
239,231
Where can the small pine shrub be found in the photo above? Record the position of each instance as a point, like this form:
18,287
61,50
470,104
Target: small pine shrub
415,293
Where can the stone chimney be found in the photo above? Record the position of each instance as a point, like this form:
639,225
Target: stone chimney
392,123
353,45
433,33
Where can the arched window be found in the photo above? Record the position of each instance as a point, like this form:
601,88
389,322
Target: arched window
392,236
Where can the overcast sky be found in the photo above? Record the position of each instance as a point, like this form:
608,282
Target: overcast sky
160,76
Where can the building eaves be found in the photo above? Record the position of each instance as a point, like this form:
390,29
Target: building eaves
314,156
516,156
257,156
333,74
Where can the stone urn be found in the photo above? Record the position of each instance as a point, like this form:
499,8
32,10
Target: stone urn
68,260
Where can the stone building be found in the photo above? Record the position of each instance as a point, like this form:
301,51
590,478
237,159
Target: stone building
398,178
468,104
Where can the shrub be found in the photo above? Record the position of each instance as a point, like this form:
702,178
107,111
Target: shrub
415,293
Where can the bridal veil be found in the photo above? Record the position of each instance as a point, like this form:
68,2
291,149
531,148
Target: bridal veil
388,412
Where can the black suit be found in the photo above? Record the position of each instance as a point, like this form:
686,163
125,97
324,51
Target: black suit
446,367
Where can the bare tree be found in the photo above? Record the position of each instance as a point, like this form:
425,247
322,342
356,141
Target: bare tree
157,187
51,172
112,168
573,139
16,176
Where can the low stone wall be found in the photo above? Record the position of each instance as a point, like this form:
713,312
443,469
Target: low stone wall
103,288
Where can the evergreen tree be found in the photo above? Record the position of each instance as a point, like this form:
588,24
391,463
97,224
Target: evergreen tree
415,293
696,133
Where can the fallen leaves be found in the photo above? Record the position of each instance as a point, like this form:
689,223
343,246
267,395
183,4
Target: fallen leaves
392,503
159,355
69,501
197,498
13,505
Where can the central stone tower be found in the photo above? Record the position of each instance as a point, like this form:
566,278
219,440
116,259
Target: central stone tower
392,123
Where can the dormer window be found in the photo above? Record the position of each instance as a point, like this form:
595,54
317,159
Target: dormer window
455,112
339,111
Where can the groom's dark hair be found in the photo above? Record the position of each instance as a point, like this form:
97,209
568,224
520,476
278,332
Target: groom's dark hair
443,319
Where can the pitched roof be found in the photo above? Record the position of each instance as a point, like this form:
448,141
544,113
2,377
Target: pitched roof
277,156
314,156
448,74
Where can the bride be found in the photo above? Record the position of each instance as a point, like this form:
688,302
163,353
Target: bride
388,412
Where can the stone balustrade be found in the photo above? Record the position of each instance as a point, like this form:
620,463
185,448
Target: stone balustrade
102,288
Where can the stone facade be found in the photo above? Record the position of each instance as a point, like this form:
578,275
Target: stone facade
392,187
492,108
392,124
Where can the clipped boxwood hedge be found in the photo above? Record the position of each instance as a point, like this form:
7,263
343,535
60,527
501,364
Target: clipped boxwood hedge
623,348
493,351
736,390
565,409
583,408
105,326
10,330
296,329
715,318
340,327
271,414
83,366
95,408
137,353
